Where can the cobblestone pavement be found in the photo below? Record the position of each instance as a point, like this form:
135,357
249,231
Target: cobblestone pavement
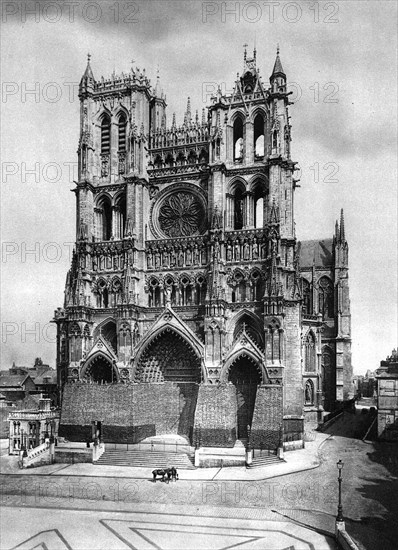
370,486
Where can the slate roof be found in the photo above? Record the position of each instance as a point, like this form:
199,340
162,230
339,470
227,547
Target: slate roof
321,250
278,66
51,374
12,380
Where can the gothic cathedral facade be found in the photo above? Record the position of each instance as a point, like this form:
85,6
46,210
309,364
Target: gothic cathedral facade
190,306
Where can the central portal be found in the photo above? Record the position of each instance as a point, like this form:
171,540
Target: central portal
168,358
245,376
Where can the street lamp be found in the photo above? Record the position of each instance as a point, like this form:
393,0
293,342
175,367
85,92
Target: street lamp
339,516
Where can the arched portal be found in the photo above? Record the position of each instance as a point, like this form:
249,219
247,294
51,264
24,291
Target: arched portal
168,357
245,374
100,370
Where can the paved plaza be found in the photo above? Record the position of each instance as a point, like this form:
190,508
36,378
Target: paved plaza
86,506
153,527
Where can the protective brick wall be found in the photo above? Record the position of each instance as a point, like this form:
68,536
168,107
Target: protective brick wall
267,418
128,412
215,417
293,429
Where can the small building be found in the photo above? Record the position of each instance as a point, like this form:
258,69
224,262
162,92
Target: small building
387,398
16,386
42,380
33,423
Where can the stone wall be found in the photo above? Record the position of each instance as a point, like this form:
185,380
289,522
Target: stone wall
128,412
215,416
267,418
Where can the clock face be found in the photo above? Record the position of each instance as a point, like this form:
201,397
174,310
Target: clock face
181,215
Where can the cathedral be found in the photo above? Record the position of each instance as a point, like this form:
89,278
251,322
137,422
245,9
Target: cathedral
191,308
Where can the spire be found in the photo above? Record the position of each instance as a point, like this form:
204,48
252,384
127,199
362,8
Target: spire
203,116
158,89
278,69
197,117
187,117
88,73
244,53
342,230
173,124
336,230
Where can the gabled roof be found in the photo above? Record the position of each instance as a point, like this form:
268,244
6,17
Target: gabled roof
12,380
51,374
318,253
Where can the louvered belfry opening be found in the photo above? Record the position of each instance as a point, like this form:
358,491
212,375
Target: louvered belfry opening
105,135
122,123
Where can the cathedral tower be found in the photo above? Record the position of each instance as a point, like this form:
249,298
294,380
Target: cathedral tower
185,292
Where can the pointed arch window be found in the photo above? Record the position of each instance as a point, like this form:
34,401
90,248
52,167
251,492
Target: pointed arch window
259,136
307,302
120,217
238,208
122,125
310,353
201,288
258,207
257,285
105,135
275,139
325,298
238,139
104,219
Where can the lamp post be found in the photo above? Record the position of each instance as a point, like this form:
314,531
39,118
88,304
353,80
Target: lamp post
339,516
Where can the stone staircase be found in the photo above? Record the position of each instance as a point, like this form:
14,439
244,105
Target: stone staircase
265,460
145,459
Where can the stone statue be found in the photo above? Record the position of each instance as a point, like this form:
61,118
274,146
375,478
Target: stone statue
255,250
237,251
149,259
196,255
246,251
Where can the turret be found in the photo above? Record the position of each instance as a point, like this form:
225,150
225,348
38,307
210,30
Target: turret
86,86
158,107
278,77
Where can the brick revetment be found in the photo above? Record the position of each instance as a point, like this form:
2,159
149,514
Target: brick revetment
190,306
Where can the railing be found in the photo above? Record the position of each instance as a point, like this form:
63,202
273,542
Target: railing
34,415
36,451
171,170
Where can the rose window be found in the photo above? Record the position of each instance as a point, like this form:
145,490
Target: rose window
181,215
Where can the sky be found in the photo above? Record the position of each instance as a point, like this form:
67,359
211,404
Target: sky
340,61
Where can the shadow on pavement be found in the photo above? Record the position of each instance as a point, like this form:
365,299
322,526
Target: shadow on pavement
352,424
383,527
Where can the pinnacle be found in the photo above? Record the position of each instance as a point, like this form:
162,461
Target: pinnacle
278,69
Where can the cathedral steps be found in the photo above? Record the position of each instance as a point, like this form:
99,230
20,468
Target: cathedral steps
266,460
145,459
